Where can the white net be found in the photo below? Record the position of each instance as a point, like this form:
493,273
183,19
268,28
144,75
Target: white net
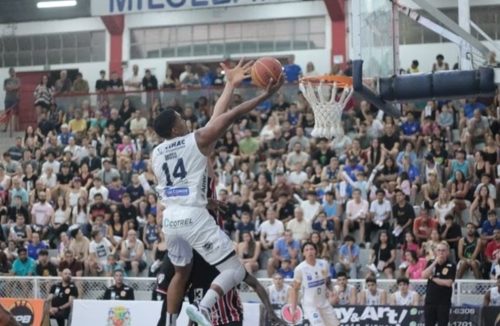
327,105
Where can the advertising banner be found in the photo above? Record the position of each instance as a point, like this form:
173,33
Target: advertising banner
119,7
389,315
136,313
27,312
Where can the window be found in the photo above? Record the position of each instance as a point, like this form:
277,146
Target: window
229,38
52,49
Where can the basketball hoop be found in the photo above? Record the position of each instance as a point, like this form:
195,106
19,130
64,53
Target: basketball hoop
323,93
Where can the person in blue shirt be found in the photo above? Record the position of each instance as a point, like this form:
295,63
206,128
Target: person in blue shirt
490,225
286,269
285,248
23,265
410,129
35,246
471,105
349,258
293,72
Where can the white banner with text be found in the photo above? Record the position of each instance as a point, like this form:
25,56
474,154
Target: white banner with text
119,7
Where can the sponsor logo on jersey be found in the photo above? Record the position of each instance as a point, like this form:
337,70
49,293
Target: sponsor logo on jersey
316,283
177,223
177,192
208,246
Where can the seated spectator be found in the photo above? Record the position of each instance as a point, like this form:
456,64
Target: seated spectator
372,295
322,225
404,296
297,177
348,258
99,250
244,226
432,188
415,265
61,298
119,290
60,220
5,265
323,245
286,270
132,254
151,232
79,244
481,205
249,251
440,64
460,192
469,249
424,225
430,245
44,266
343,294
20,232
380,214
11,251
35,245
299,227
356,213
270,230
486,181
42,213
69,262
285,248
410,244
459,164
444,206
383,256
489,226
450,232
23,265
278,291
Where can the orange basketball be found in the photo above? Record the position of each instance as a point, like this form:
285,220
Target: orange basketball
264,69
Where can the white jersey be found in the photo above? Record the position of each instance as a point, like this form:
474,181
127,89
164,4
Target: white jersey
494,296
313,281
407,300
373,299
344,296
181,172
278,297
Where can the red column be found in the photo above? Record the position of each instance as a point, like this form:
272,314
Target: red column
336,11
115,26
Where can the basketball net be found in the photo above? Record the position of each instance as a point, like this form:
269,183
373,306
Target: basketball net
327,106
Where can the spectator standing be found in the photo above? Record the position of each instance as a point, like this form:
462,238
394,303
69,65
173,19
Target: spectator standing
80,85
134,84
12,87
101,85
293,72
61,298
440,274
119,290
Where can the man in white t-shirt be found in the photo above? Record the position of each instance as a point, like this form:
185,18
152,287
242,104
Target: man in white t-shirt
98,188
297,177
311,206
380,213
133,84
271,230
99,249
356,212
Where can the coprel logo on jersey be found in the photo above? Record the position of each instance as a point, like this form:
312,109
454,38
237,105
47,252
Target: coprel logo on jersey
23,312
286,314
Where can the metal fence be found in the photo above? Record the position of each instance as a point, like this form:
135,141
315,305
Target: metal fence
465,292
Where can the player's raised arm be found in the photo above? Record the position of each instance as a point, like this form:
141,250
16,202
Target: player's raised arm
208,135
234,78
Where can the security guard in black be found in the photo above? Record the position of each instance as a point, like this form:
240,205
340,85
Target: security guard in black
440,274
119,291
61,298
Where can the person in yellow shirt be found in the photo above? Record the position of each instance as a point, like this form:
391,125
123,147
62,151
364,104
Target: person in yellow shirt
78,124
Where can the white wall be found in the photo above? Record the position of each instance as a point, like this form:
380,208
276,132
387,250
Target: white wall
451,3
426,54
321,58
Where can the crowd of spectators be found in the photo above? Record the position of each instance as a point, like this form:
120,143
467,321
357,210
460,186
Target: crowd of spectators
376,201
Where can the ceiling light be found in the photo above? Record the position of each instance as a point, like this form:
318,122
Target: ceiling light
56,4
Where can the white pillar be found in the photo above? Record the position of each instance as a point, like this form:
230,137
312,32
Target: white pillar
355,29
464,22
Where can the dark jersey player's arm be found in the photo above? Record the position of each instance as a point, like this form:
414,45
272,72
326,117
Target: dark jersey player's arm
216,128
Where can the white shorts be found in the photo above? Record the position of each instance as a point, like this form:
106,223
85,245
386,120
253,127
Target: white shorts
188,228
324,316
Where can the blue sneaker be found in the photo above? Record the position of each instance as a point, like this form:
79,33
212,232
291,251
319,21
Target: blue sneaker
198,315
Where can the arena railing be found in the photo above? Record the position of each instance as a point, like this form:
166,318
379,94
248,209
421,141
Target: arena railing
465,292
146,99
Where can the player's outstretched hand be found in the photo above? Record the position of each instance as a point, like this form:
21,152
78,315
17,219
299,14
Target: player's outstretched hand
274,86
236,75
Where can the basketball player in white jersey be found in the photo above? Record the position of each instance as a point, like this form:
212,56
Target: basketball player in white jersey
344,293
372,296
180,167
278,292
492,297
313,278
404,296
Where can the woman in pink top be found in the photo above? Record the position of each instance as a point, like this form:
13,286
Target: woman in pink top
415,265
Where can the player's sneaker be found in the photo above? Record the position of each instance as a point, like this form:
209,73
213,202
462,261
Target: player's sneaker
198,315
